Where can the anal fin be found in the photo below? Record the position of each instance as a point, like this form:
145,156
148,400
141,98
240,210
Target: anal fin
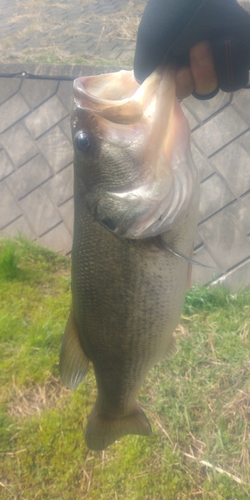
73,364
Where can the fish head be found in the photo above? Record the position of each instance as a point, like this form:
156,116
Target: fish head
132,152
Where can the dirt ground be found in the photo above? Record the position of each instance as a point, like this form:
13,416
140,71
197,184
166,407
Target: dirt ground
64,31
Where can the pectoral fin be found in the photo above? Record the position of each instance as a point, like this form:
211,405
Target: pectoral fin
73,364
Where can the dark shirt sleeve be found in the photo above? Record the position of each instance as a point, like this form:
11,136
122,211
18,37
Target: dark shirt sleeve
169,28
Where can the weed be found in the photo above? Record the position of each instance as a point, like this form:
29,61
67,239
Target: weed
9,269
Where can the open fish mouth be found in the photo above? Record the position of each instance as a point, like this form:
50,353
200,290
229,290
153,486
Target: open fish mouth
121,113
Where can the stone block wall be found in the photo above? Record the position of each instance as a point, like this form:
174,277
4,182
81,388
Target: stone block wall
220,144
36,177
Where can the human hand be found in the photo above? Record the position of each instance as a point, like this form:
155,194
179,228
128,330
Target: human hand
199,78
169,29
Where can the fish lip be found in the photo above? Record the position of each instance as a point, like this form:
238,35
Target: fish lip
85,89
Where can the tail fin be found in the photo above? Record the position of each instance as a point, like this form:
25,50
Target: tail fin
102,430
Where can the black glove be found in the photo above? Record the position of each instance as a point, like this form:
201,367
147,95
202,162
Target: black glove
169,28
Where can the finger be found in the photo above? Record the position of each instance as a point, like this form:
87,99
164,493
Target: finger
184,82
202,68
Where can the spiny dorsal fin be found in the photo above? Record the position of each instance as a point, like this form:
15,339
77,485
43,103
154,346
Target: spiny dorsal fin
73,364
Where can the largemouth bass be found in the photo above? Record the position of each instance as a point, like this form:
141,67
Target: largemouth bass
136,202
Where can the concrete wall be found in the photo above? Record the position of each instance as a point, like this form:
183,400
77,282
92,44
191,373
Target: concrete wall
36,192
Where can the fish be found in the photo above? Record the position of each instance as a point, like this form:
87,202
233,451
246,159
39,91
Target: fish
136,196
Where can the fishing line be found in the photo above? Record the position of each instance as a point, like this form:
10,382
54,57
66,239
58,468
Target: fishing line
187,259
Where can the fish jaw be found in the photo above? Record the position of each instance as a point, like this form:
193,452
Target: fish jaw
147,122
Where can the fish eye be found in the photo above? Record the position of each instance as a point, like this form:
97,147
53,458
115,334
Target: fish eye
83,141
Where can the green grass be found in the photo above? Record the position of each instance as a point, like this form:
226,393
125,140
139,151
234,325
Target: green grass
198,401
